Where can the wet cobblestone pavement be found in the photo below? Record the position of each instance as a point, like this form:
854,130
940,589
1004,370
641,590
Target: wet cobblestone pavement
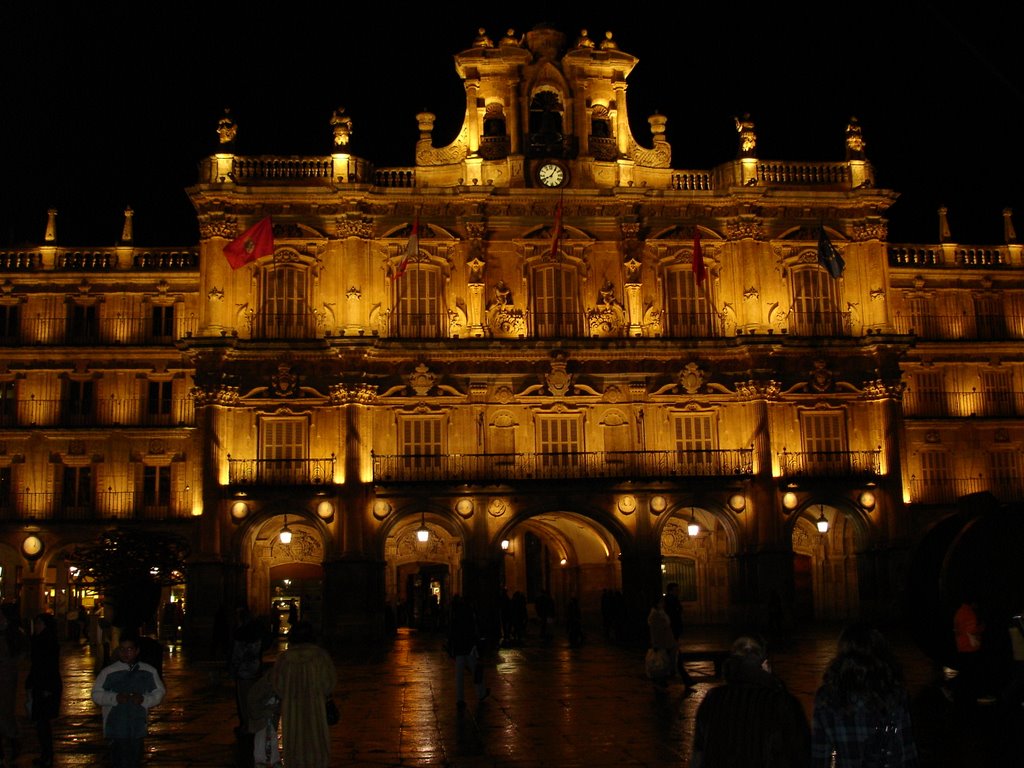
551,705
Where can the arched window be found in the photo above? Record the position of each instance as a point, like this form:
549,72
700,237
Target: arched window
555,295
285,311
546,131
814,310
688,311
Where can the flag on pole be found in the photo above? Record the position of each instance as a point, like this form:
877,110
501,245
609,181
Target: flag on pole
256,241
557,236
700,273
412,248
828,256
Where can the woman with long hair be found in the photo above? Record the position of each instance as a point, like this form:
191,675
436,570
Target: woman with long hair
861,710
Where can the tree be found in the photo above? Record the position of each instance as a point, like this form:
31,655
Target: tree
130,567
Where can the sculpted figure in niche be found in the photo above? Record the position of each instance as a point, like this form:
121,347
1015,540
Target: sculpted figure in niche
502,294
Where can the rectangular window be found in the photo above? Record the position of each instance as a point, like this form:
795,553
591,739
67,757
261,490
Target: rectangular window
420,444
937,483
555,304
928,398
8,404
418,305
283,451
159,402
156,487
6,487
76,489
79,402
923,320
824,443
83,324
10,323
814,312
997,391
989,320
162,322
694,442
286,312
1005,475
688,310
559,441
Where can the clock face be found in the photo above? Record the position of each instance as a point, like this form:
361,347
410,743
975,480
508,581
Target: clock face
551,175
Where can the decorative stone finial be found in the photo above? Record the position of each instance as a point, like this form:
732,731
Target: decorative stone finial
854,140
748,139
126,230
425,121
608,44
657,123
584,41
51,226
227,129
944,233
1009,234
341,125
510,39
482,40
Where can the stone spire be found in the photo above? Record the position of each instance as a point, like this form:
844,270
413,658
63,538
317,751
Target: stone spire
854,140
126,230
944,233
51,226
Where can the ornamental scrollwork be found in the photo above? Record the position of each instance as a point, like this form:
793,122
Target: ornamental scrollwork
759,390
746,228
353,227
215,395
660,156
360,394
217,227
872,229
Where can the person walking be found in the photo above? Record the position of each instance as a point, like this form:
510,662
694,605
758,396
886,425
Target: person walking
463,636
674,609
661,656
13,647
44,684
862,711
753,720
127,689
303,677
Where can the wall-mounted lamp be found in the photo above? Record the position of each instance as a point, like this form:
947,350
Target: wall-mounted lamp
506,545
563,561
822,522
693,528
286,533
423,533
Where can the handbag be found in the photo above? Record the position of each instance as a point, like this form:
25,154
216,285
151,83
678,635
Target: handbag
333,715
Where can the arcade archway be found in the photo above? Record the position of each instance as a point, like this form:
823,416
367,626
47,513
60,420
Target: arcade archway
695,548
825,579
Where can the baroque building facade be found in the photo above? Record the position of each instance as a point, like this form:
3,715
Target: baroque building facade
542,359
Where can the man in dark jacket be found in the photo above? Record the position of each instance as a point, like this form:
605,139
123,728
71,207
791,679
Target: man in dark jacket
752,720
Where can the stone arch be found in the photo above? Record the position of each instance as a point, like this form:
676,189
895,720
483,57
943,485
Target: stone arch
825,565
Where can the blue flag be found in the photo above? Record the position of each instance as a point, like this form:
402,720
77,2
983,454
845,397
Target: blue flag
828,256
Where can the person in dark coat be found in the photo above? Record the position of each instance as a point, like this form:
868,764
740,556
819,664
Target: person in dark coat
463,636
752,720
44,684
674,609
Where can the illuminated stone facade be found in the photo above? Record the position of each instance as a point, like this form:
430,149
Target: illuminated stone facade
542,369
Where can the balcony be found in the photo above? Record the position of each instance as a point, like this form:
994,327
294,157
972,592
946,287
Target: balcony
415,326
318,471
947,490
283,325
934,256
101,505
840,464
583,465
106,331
986,327
822,323
109,412
973,404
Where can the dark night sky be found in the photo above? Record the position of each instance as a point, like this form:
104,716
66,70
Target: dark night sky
103,108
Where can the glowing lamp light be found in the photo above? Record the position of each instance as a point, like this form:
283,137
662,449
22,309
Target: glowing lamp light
693,528
423,533
563,561
822,522
505,544
286,533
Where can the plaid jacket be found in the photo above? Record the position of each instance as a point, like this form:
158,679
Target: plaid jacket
855,737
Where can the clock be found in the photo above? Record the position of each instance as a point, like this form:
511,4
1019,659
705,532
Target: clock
32,546
552,175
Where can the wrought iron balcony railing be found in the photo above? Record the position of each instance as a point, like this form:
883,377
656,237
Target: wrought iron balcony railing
114,331
937,405
985,327
96,505
935,256
582,465
284,325
819,323
317,471
830,463
947,490
134,412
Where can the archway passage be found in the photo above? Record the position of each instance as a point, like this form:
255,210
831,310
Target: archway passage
424,569
825,577
695,551
296,593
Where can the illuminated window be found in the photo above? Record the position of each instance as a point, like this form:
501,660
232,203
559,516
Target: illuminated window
418,303
824,442
559,440
687,308
555,301
420,442
694,442
285,311
283,450
814,304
